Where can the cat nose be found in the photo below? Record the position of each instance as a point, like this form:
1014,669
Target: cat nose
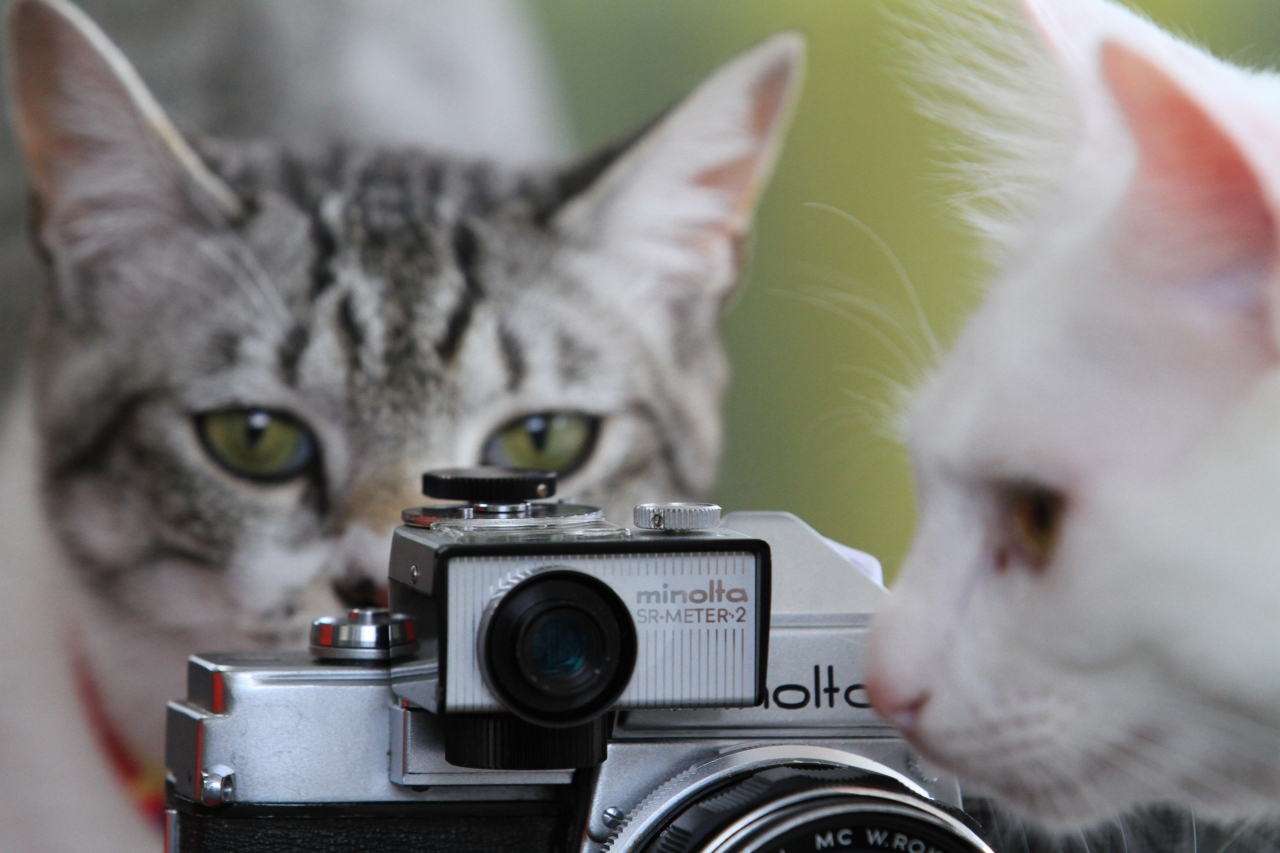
903,709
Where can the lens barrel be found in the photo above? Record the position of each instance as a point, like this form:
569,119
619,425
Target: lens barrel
559,648
806,809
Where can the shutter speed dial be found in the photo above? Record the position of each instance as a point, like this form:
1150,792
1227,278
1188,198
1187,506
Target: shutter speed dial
677,517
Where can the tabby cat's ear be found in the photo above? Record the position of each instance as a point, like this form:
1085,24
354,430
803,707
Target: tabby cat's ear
675,206
96,142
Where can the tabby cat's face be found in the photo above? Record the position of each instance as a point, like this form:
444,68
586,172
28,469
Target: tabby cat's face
247,356
256,431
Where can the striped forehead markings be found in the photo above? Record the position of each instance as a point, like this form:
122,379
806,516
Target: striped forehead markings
290,353
326,250
466,252
351,334
404,221
513,357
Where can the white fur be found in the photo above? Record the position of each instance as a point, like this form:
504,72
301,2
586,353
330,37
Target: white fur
1136,372
56,790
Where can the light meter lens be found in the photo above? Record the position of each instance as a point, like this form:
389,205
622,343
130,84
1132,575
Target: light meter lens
560,648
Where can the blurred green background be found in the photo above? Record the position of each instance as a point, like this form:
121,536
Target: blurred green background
807,408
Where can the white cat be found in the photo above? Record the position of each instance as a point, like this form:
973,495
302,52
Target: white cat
1089,617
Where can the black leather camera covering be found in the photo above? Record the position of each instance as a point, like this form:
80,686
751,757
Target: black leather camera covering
386,828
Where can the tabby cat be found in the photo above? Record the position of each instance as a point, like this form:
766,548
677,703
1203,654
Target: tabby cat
247,354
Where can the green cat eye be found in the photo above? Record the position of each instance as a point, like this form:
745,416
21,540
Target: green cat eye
551,441
257,444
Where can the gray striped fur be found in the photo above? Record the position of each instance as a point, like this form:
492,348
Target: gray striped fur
402,302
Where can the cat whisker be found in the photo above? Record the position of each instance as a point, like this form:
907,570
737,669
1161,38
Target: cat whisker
1163,763
1124,838
1215,781
865,324
839,285
1227,844
879,415
885,415
1242,737
901,271
899,397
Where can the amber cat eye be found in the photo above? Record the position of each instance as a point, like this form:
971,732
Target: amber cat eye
1035,521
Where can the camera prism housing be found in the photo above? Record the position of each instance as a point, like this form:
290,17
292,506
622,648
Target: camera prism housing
693,611
545,618
539,689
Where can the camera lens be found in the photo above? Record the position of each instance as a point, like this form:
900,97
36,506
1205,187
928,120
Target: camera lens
559,648
805,809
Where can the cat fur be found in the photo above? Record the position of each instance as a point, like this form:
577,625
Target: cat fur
402,301
462,75
1124,355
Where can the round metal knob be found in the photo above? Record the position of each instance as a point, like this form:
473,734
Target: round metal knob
489,485
367,633
677,516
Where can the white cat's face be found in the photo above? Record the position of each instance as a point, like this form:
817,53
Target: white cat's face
1083,619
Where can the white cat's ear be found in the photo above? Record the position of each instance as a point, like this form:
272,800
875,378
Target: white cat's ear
1196,232
94,137
1073,29
1197,205
677,204
1200,206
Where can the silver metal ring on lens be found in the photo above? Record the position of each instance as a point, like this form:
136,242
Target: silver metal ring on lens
509,583
684,789
762,826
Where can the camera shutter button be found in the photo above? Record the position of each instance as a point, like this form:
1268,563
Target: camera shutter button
677,517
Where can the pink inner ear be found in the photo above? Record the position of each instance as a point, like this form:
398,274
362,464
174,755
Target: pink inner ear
71,105
1193,183
34,38
738,177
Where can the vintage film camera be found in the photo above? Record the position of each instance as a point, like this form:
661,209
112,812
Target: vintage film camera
547,681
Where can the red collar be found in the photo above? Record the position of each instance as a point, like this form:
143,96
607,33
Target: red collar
143,780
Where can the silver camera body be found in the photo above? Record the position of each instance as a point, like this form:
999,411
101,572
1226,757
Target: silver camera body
736,720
